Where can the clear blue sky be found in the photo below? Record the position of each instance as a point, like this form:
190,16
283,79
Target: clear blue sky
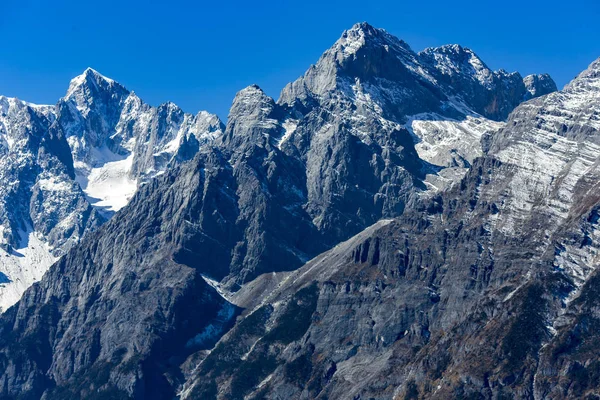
198,54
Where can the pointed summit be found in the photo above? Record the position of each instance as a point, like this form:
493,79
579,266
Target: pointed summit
92,81
591,72
252,117
365,35
362,52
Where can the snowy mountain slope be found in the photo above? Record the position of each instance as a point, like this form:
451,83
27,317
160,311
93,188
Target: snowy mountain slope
403,89
42,210
22,266
96,146
554,143
449,145
119,142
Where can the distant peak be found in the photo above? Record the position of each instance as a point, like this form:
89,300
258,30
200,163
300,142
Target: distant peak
456,52
92,79
592,71
365,27
539,84
253,89
363,34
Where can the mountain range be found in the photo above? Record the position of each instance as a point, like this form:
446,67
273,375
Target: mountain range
396,225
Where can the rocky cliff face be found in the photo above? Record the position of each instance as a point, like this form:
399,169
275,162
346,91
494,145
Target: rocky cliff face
396,152
118,142
488,290
95,147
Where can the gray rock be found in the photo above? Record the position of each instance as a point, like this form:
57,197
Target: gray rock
135,310
95,146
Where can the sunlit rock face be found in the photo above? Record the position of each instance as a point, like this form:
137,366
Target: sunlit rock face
67,168
391,227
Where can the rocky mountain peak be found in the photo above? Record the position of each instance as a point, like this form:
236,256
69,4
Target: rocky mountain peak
93,83
251,102
454,59
66,168
539,84
364,35
589,77
252,118
362,52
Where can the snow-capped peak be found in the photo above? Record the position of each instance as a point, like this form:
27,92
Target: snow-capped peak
92,79
249,90
354,38
591,73
539,84
362,34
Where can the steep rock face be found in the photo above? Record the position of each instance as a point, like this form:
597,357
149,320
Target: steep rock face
99,138
488,290
493,94
338,150
119,142
42,210
128,312
119,322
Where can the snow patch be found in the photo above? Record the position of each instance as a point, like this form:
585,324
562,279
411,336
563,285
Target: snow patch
289,126
109,187
23,267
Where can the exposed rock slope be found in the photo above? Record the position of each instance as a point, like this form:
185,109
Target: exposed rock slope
99,138
488,290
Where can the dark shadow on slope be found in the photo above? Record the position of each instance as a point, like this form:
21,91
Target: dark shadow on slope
105,211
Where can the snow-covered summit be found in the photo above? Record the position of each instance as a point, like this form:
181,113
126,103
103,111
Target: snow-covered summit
363,34
118,141
373,87
90,78
65,167
589,79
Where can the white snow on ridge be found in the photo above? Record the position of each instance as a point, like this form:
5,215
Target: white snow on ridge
440,138
80,80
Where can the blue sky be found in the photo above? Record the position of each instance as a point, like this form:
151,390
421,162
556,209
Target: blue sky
199,54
